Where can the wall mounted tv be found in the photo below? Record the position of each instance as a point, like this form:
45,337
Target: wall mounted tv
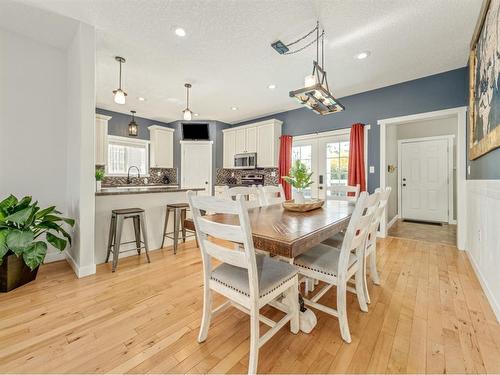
197,132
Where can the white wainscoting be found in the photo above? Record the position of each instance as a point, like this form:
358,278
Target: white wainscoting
483,236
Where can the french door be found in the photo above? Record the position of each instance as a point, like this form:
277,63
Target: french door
327,158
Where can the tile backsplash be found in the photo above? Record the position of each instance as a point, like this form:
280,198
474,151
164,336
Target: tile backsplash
153,178
224,175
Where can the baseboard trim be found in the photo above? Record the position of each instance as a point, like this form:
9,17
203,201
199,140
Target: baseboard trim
80,271
391,223
54,257
491,299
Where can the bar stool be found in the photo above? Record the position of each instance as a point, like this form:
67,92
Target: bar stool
179,210
115,233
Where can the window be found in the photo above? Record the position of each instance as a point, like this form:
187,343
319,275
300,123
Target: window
124,153
337,162
304,154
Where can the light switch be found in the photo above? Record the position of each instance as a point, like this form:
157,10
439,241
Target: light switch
372,169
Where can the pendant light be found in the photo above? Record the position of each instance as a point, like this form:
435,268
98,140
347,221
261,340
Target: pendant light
119,94
188,115
316,94
132,127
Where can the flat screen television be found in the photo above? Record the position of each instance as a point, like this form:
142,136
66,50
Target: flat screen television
197,132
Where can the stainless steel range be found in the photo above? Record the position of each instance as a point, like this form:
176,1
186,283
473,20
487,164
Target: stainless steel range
252,179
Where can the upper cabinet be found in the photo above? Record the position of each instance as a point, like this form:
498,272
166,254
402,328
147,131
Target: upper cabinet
101,139
162,147
262,138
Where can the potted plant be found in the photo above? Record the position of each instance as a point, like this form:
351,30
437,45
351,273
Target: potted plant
99,176
300,178
25,231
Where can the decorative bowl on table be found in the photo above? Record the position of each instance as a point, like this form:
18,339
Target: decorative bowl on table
308,205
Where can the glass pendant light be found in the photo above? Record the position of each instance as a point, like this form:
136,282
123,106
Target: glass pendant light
188,114
119,94
132,127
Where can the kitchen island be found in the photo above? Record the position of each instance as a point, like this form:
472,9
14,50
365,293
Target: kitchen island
153,199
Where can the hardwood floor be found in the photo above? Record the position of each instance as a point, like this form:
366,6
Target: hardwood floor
429,315
445,234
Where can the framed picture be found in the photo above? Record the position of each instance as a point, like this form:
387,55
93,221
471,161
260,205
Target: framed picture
484,82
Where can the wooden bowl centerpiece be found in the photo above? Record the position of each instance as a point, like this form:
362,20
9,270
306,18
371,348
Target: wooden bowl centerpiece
308,205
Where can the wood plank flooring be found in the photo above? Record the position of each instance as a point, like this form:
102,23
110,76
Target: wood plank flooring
445,234
429,315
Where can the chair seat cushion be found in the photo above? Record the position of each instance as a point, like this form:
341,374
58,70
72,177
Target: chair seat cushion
322,258
271,273
335,241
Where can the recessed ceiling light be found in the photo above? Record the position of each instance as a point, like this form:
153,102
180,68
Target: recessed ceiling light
141,99
196,114
180,31
363,55
234,108
271,87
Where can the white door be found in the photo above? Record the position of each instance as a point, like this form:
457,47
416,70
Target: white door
196,166
424,180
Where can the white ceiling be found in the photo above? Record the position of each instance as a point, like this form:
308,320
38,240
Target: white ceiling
227,57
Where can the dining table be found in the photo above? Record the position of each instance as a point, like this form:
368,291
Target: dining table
288,234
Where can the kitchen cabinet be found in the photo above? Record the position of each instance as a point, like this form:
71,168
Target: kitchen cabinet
161,152
101,139
261,138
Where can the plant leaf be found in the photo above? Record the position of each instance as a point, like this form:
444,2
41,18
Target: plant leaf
58,243
40,214
20,217
18,241
23,203
8,202
35,254
3,244
59,218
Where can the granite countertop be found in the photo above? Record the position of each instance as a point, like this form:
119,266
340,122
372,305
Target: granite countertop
143,189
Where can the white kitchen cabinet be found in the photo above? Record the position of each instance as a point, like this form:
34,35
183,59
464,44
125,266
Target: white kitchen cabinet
101,139
162,147
262,138
229,148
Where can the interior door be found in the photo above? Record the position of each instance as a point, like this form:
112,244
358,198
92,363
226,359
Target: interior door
424,180
196,166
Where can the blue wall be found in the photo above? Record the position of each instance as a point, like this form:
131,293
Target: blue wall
118,125
432,93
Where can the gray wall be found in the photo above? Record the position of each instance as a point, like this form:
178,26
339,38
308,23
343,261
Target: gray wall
118,125
440,91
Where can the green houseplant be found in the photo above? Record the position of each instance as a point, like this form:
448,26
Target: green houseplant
300,178
99,176
25,232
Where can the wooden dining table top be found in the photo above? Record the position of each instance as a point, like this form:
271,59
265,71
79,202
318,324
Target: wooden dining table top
287,233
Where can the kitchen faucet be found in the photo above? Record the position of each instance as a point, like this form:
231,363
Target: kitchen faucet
128,173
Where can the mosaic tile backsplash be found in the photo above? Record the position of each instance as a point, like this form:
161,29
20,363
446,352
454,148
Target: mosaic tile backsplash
224,176
170,173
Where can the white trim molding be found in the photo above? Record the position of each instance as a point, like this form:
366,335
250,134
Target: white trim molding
80,271
103,117
461,115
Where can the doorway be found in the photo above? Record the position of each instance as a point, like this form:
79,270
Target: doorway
196,165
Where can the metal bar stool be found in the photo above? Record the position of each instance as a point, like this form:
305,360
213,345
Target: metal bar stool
179,210
115,233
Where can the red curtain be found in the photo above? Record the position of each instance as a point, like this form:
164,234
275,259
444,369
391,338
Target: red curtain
356,172
285,163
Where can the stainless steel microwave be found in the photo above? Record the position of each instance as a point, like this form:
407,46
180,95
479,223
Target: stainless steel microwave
245,161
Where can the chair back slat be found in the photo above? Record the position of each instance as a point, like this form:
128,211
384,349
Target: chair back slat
234,257
343,192
214,204
272,194
226,232
378,213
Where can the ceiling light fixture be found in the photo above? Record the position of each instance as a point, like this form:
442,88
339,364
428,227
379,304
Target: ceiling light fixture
180,31
271,87
119,94
188,115
234,108
316,94
195,114
363,55
141,99
132,126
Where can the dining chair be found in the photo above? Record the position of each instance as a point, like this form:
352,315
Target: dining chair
371,239
251,195
248,280
270,194
341,192
336,267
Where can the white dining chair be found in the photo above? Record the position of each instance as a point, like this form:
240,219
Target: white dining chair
251,195
371,239
336,267
270,194
248,280
341,192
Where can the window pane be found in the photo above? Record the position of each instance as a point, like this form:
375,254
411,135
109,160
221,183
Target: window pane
344,149
332,150
123,155
305,152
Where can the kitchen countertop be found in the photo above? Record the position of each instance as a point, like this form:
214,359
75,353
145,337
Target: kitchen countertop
143,189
